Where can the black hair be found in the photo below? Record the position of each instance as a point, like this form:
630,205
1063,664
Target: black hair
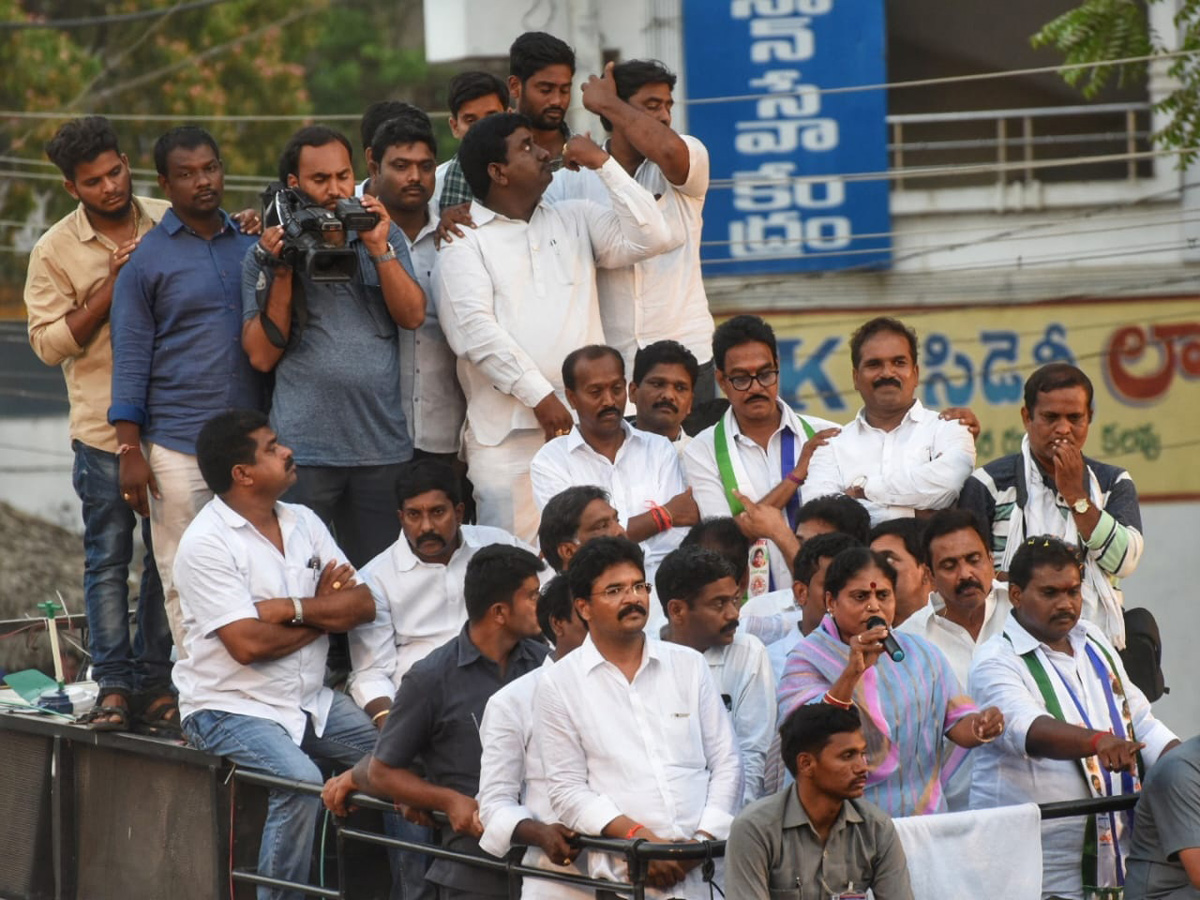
225,442
395,132
822,546
633,75
596,557
484,144
664,353
841,511
384,111
878,325
561,517
948,521
534,51
308,136
742,330
80,141
554,603
187,137
809,728
686,571
722,535
1055,377
911,532
468,86
1041,550
590,353
494,574
423,475
850,562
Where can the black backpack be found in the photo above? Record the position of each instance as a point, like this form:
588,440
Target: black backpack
1142,655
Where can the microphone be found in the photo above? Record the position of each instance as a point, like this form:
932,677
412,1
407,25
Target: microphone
890,645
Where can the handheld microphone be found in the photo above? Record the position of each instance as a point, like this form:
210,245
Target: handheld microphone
890,645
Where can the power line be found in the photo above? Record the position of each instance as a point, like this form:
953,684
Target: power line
111,19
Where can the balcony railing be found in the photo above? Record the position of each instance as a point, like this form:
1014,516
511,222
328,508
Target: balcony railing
1098,142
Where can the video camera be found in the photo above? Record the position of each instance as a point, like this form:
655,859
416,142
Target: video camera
315,238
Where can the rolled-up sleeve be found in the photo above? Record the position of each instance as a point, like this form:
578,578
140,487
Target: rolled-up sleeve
49,296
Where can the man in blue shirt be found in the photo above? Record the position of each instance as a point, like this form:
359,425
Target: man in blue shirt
337,400
177,360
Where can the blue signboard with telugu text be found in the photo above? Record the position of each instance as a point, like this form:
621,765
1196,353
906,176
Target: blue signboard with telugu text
788,191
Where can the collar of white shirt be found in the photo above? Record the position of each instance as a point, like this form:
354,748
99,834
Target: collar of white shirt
916,414
995,604
575,440
787,419
234,519
591,658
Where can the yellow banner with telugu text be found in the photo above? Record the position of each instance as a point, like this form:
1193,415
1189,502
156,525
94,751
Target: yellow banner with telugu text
1142,355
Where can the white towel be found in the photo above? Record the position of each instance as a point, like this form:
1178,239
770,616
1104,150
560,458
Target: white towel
979,853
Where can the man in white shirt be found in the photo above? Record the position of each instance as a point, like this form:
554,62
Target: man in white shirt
641,743
517,293
417,584
662,297
641,471
759,449
261,585
1075,724
514,807
572,518
663,388
967,607
896,457
699,594
404,158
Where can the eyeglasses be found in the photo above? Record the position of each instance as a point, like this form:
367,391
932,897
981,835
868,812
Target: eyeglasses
766,378
616,591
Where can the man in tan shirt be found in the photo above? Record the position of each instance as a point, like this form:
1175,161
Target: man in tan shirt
68,293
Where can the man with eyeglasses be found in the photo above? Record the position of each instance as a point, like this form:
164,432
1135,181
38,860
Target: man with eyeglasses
759,449
650,754
700,596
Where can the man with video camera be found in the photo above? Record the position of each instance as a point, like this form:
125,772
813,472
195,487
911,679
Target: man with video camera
324,294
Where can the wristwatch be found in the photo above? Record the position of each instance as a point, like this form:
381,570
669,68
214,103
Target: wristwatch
1081,505
384,257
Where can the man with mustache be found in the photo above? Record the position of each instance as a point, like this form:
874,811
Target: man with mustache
649,753
262,585
68,295
176,357
641,471
760,449
699,594
966,608
896,457
662,389
517,293
1070,712
417,584
402,165
1050,487
573,517
818,837
334,350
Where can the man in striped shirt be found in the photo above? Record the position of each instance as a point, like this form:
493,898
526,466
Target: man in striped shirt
1050,487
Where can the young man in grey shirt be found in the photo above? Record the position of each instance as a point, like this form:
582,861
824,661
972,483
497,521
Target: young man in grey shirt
817,838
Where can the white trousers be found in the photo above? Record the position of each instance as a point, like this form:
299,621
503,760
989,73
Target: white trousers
503,489
182,494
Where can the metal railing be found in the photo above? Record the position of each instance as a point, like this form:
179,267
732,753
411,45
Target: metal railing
638,853
1011,141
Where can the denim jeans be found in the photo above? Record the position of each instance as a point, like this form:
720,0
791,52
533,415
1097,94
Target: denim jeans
262,745
108,525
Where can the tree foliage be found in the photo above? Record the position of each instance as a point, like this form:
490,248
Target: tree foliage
1103,31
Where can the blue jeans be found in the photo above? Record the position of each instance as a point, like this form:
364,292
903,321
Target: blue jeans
262,745
108,525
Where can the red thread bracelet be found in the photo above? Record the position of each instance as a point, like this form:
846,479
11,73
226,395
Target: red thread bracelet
634,830
1095,741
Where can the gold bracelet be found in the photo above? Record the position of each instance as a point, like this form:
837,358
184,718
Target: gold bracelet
379,715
